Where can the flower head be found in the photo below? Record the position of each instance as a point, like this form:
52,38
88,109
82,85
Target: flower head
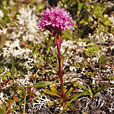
55,19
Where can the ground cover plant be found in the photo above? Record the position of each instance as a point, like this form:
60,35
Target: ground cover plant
56,57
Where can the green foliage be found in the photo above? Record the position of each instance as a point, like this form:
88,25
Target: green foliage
40,6
91,50
42,84
98,10
57,93
112,29
64,1
87,91
103,60
2,109
87,16
103,88
52,93
73,99
6,19
106,21
67,35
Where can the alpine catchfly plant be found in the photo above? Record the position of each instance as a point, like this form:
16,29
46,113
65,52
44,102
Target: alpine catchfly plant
56,20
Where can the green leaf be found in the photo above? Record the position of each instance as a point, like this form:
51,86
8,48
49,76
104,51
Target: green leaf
40,56
8,74
72,2
65,51
86,89
82,21
80,6
73,99
84,112
110,77
92,47
19,91
49,46
83,87
13,109
42,84
1,111
64,1
87,53
67,35
103,60
106,21
103,88
69,92
106,29
40,6
112,29
52,93
90,91
3,107
53,88
99,8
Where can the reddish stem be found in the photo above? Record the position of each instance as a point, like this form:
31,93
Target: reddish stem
58,44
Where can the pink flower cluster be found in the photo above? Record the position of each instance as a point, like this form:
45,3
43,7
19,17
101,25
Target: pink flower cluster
55,19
